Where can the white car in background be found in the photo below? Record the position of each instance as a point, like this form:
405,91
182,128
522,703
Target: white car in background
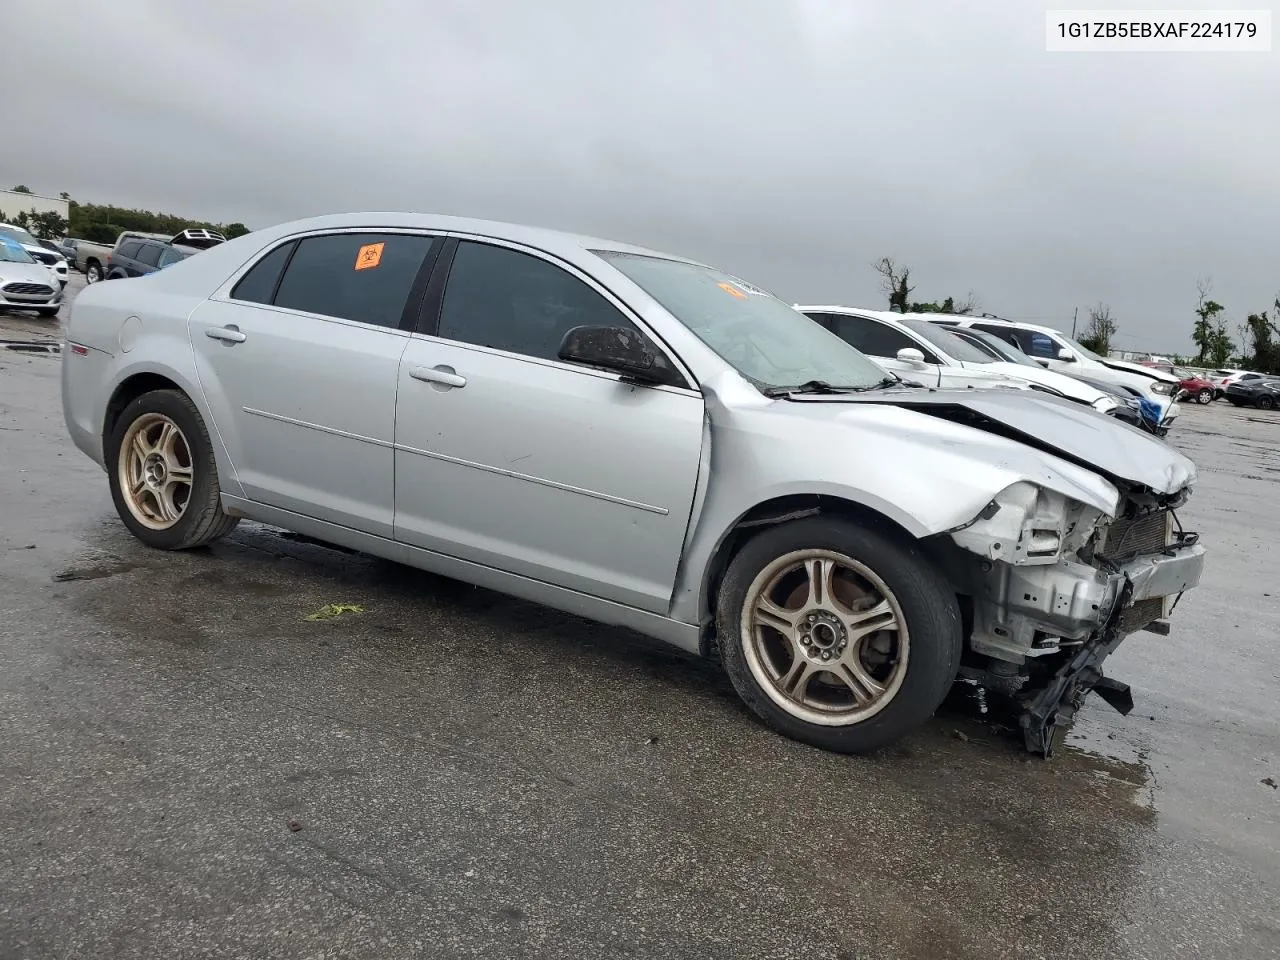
25,284
1057,351
917,350
1225,378
56,262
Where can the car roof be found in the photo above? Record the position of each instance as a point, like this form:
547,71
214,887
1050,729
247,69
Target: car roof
887,316
543,238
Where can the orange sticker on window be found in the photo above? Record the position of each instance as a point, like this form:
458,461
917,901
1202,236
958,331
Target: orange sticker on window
369,256
730,289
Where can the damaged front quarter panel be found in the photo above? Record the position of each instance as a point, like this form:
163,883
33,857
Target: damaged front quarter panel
1056,585
1028,580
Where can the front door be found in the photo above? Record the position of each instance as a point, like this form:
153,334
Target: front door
508,457
299,367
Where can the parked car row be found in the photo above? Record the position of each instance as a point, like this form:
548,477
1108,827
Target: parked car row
645,440
136,253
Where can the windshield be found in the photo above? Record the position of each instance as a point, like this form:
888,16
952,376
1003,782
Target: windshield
757,334
21,236
12,252
946,341
1006,350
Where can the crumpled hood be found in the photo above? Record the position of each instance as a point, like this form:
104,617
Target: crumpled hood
1069,430
1128,367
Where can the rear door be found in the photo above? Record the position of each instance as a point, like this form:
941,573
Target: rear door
510,457
298,364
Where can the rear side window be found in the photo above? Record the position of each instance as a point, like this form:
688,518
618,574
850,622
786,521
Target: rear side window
364,277
130,249
259,284
149,253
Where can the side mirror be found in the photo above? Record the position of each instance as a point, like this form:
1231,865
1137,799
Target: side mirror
1067,355
910,355
620,349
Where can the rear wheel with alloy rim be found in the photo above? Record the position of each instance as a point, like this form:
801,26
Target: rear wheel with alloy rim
163,477
92,273
838,634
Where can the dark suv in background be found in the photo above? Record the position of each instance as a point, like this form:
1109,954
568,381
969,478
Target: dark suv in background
137,256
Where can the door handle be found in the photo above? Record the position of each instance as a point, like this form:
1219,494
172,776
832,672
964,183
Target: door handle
441,375
228,334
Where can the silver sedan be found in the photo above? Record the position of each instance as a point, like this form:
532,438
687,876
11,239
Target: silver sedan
640,439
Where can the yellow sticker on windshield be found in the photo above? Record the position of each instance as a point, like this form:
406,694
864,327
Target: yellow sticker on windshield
369,256
730,289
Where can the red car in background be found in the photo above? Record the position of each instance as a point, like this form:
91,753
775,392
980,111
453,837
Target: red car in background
1196,387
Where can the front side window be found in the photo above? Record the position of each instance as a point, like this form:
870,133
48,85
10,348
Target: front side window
1038,344
149,254
129,249
364,277
507,300
768,342
874,338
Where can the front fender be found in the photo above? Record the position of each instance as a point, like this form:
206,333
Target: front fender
926,474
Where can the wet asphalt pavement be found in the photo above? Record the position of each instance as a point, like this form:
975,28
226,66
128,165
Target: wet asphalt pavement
190,767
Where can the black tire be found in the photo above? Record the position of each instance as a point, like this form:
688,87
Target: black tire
1205,396
1266,403
203,519
927,602
114,275
92,272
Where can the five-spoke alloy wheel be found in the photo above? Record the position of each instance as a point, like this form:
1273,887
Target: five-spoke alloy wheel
837,633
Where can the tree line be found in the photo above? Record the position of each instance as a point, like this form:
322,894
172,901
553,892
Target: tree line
1255,345
103,223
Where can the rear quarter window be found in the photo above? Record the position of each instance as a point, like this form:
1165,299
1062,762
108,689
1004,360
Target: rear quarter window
259,284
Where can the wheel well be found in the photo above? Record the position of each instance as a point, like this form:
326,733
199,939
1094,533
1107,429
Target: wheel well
771,513
129,391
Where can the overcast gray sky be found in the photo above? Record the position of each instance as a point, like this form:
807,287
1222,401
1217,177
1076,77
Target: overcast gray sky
790,141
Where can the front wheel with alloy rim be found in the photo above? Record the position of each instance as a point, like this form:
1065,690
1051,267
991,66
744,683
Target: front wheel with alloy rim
163,477
1266,403
838,634
1205,396
92,273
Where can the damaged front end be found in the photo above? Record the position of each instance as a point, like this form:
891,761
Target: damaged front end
1057,585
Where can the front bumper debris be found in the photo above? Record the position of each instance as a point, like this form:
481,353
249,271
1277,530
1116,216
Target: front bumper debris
1151,585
